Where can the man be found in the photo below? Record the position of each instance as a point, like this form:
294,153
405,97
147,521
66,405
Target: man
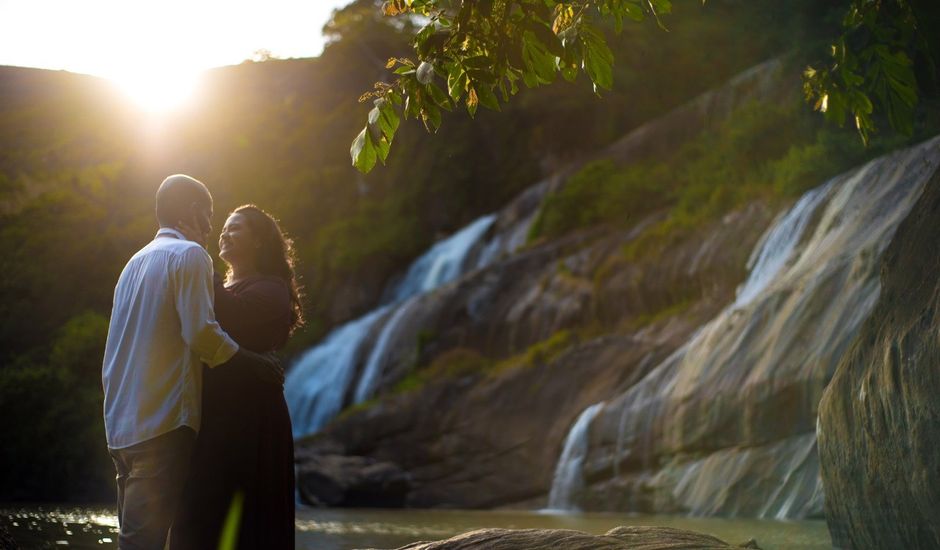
162,329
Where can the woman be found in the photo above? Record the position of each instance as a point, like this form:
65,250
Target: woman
245,451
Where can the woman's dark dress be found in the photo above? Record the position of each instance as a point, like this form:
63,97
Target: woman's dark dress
245,441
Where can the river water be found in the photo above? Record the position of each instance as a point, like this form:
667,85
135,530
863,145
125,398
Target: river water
339,529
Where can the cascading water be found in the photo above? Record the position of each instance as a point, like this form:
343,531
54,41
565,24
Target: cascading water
770,255
777,244
316,386
726,424
442,263
568,474
373,368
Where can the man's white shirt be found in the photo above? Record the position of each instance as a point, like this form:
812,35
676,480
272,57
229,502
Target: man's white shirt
162,328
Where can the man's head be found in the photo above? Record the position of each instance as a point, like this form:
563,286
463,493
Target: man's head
181,198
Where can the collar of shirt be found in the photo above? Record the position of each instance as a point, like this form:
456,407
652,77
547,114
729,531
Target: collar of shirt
169,231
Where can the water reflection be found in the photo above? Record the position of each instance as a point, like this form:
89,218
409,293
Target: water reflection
43,527
342,529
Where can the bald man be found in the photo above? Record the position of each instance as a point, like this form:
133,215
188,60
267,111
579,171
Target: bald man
162,330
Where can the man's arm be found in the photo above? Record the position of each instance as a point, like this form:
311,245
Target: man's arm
201,332
193,293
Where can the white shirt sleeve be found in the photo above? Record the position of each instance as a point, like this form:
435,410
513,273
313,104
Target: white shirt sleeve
194,304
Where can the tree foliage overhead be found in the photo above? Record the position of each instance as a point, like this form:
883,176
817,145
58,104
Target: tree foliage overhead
478,52
871,66
472,53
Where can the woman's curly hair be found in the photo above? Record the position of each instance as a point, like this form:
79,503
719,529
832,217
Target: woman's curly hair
275,256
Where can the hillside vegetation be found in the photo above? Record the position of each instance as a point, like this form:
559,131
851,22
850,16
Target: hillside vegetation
78,169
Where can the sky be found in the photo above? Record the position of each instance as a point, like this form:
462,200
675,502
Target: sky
118,38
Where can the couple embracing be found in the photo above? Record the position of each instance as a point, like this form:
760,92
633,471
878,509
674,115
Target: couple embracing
194,409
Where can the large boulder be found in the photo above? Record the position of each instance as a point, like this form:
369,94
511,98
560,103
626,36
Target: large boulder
336,480
619,538
879,419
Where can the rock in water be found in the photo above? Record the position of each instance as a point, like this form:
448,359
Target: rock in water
334,480
879,420
619,538
6,540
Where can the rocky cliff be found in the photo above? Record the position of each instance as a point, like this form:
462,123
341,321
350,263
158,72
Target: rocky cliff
879,419
726,425
571,373
492,435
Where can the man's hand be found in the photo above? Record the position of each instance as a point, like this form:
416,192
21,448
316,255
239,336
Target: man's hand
266,366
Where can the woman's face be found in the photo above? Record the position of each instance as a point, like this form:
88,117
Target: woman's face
237,243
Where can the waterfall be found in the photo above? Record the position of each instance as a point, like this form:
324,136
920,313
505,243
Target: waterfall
317,384
776,245
442,263
772,252
373,368
702,429
569,478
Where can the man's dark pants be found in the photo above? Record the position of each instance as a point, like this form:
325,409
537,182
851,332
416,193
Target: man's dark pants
150,478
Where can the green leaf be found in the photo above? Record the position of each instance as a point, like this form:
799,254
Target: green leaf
834,108
228,539
598,59
374,116
539,63
456,82
382,147
363,151
478,62
438,96
633,11
661,7
431,116
546,36
388,121
481,75
569,64
487,98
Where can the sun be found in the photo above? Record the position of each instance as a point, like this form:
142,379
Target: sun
158,89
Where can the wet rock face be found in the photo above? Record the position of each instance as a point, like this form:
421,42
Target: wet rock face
471,441
619,538
726,425
879,420
490,438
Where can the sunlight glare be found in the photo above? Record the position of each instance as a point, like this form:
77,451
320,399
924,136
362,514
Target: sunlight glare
158,90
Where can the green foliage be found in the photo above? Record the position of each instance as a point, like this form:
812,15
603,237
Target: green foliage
600,192
679,306
450,364
774,152
51,419
539,353
872,65
482,50
550,348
